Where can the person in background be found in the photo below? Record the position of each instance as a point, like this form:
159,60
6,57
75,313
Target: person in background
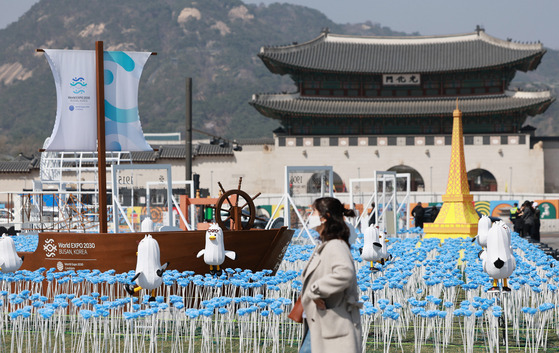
418,212
514,217
372,219
434,213
527,217
329,295
537,223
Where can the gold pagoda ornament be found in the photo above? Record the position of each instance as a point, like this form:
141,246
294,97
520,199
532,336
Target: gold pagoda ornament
457,218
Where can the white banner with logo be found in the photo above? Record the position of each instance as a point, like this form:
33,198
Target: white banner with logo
76,117
75,128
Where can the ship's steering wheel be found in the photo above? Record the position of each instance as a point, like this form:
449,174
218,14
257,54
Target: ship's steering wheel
230,206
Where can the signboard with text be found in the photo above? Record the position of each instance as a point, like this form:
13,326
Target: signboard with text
401,79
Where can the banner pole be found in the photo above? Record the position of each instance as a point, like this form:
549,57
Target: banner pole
101,161
188,137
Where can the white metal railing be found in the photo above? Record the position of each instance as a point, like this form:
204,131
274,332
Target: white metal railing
49,211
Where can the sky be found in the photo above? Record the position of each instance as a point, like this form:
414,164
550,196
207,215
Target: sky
10,10
521,20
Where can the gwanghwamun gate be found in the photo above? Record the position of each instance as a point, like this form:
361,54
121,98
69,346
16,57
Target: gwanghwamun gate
360,105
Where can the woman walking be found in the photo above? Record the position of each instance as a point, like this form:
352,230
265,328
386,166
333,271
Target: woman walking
329,294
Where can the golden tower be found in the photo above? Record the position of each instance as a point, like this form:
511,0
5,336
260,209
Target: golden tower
457,218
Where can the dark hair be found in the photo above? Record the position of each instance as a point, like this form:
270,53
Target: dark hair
333,212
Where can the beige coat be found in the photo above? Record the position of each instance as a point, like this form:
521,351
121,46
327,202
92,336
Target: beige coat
330,275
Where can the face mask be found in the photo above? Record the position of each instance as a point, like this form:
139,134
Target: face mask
313,221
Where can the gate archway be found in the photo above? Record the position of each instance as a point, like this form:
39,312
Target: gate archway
481,180
313,185
416,180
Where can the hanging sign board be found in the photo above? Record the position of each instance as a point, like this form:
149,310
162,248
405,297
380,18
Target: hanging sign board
401,79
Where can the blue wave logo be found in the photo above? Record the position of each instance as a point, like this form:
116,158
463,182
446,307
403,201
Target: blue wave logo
121,58
79,84
121,115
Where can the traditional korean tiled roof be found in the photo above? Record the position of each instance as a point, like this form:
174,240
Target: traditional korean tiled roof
15,167
256,141
212,150
199,149
144,156
274,105
20,164
172,151
389,55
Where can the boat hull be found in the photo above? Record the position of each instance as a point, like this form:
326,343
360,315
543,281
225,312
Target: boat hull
256,250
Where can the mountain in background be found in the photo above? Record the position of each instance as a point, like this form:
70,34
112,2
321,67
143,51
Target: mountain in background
215,42
545,77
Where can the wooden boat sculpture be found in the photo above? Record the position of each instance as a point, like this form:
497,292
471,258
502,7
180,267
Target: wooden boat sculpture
256,249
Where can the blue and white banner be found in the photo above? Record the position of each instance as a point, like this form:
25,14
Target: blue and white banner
76,118
123,131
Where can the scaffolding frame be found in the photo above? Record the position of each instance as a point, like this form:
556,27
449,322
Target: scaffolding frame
115,193
54,165
384,178
287,200
191,208
57,163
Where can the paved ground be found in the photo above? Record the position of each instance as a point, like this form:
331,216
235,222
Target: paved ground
551,239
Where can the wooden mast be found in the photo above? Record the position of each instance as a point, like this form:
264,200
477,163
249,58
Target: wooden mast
101,162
